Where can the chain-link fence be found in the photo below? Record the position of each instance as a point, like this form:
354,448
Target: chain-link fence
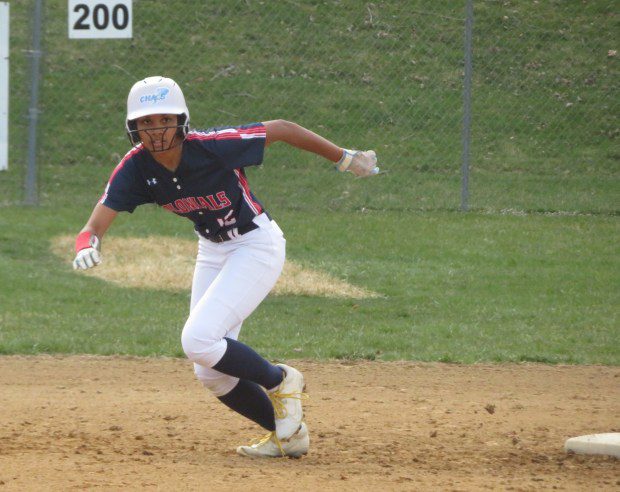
545,105
387,75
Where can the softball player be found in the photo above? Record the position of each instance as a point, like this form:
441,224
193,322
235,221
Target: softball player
200,175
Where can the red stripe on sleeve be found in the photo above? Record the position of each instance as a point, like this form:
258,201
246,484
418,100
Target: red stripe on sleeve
229,133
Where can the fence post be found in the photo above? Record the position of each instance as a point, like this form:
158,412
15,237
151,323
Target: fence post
33,110
4,85
466,134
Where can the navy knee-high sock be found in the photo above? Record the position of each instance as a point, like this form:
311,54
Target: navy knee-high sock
251,401
242,362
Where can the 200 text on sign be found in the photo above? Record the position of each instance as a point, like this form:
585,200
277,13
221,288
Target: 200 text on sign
97,19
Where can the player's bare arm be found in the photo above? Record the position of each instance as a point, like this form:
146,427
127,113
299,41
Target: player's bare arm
357,162
302,138
100,220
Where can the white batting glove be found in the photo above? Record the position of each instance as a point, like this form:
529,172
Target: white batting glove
88,257
360,163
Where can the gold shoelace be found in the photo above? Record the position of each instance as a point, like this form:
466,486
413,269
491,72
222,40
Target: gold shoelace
276,398
261,441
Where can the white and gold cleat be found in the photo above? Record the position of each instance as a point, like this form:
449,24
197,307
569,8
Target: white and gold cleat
286,401
270,446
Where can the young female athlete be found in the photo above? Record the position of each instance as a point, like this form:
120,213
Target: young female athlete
200,175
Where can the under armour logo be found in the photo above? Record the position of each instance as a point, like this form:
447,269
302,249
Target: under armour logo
151,182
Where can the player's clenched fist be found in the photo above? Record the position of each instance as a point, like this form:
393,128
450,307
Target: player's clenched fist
87,251
360,163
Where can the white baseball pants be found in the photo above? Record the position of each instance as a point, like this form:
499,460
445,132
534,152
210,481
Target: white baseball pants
230,280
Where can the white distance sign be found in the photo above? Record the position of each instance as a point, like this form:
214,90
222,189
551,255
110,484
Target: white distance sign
100,19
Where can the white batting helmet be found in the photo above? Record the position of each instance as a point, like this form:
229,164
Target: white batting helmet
155,95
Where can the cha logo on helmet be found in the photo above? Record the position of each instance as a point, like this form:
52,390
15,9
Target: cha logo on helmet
159,95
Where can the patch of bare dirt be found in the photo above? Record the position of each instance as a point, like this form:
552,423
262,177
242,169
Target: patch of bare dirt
115,423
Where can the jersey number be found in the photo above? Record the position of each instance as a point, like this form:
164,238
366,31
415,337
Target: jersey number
101,16
226,221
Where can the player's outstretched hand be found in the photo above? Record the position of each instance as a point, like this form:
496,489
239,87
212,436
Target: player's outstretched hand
88,257
360,163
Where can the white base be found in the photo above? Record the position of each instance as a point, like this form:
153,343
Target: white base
608,444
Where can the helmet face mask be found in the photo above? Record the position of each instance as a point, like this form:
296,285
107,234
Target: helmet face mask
156,134
156,95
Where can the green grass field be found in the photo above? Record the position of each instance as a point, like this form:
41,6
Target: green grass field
456,287
530,274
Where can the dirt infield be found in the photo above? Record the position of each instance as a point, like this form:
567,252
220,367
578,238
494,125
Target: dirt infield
115,423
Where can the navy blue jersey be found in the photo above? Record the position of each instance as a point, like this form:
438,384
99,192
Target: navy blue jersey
209,187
